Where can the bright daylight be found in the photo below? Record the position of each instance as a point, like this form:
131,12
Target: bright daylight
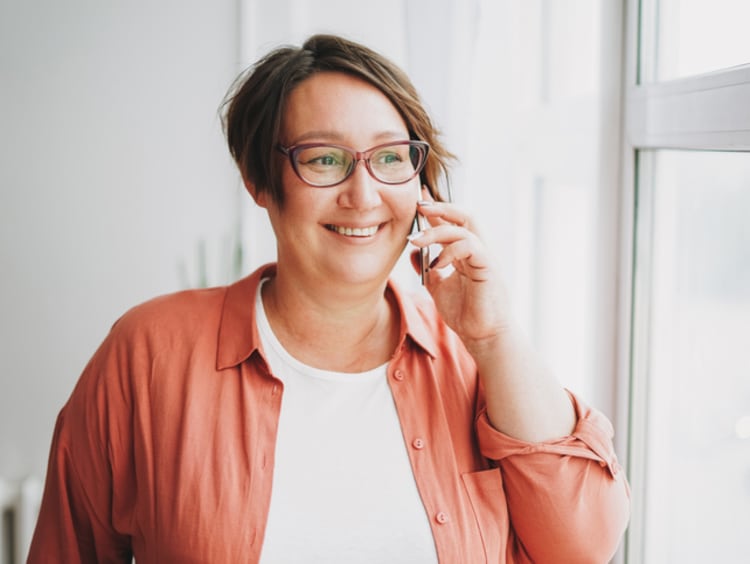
404,282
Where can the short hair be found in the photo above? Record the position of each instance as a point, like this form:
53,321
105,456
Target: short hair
253,108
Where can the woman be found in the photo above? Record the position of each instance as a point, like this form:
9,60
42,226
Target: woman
312,412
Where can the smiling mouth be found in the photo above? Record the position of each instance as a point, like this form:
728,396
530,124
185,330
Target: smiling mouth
354,231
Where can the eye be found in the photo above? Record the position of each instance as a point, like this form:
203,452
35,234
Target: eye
322,157
325,160
388,157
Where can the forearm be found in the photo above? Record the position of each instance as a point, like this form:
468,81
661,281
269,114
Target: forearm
524,400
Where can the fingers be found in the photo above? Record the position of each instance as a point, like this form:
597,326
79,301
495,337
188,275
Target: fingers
443,234
461,249
441,213
453,230
465,257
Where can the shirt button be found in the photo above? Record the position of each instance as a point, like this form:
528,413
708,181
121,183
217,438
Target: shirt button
398,375
418,444
442,517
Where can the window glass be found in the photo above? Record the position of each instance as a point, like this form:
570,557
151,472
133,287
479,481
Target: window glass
697,451
687,37
533,173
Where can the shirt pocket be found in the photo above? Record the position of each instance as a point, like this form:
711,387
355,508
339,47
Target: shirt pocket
487,497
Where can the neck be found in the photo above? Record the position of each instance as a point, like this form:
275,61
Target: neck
343,329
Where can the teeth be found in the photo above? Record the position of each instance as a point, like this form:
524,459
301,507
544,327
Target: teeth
355,231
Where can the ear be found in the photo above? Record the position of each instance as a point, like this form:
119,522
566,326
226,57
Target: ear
259,196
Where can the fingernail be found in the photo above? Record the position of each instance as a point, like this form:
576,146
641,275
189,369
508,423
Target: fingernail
424,203
413,236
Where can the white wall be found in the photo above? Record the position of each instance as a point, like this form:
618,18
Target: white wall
112,170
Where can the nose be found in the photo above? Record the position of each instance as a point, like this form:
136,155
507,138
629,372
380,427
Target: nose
360,190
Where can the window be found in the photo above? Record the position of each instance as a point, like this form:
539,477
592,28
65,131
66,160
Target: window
691,37
696,451
687,186
541,174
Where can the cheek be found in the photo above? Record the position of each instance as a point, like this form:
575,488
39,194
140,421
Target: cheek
403,200
303,202
297,194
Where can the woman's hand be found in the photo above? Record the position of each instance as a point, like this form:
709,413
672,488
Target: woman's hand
470,296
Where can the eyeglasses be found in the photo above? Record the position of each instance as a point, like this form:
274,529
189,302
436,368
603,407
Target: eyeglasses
322,165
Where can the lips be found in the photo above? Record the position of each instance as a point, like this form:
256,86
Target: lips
354,231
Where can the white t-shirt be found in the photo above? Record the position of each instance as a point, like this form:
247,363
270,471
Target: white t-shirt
343,488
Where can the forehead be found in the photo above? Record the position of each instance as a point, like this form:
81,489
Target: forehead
336,107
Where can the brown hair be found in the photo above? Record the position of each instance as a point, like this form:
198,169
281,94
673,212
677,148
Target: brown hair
253,108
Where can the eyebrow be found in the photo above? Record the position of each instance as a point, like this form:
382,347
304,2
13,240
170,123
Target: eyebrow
337,137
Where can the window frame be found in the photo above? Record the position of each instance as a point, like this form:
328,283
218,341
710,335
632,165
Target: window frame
701,112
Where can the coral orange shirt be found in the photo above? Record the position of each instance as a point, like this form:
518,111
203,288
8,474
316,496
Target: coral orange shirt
165,449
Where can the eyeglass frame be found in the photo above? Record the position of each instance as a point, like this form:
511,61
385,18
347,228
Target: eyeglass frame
365,155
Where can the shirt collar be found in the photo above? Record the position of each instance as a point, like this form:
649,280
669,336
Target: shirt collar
238,335
418,319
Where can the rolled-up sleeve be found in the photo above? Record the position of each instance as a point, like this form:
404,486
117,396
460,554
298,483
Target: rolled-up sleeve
568,499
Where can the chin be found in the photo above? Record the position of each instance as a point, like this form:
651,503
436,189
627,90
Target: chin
363,272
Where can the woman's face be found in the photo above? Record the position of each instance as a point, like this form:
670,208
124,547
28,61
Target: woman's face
353,232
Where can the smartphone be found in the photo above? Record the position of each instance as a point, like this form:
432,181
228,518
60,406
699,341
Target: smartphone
420,224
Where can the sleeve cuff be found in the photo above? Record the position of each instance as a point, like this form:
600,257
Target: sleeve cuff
591,438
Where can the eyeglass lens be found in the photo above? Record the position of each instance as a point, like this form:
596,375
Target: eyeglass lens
325,165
